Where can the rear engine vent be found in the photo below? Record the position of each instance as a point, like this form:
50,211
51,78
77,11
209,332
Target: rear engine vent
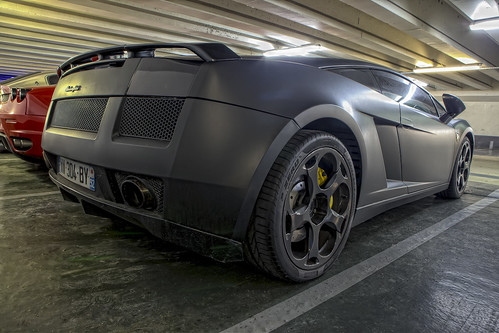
150,118
82,114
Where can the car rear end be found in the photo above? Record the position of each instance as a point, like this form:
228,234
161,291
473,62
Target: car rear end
22,118
124,137
4,99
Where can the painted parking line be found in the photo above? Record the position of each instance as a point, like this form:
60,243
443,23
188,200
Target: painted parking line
9,159
31,195
483,175
282,313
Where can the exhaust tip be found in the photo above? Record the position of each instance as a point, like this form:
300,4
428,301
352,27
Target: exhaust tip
22,144
136,194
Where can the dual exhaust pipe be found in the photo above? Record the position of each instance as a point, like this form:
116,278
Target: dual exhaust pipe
137,195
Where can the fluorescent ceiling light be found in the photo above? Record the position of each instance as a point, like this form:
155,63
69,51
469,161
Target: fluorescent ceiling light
294,51
466,60
487,24
485,9
423,64
447,69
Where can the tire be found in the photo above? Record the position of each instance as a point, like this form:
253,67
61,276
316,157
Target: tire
2,148
460,172
304,212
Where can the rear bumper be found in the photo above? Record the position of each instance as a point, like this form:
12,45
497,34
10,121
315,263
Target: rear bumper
201,177
25,127
210,245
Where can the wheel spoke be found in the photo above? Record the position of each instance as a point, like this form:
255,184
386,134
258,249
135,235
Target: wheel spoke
335,182
298,221
312,175
467,153
313,245
337,220
337,179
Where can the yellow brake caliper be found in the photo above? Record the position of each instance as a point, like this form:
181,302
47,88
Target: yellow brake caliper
321,179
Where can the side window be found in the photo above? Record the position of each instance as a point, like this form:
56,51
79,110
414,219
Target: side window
362,76
404,91
52,79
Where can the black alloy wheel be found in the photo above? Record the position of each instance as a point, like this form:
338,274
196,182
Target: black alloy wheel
460,173
463,166
305,209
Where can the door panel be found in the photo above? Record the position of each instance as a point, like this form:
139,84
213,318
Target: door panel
386,115
426,144
427,149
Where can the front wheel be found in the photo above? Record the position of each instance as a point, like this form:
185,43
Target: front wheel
305,208
460,172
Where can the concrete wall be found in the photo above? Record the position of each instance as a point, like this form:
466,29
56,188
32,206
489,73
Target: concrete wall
482,112
483,117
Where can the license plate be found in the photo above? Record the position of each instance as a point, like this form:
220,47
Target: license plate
77,172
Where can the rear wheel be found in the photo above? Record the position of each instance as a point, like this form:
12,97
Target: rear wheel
305,209
460,173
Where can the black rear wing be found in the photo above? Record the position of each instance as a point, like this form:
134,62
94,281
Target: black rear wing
208,52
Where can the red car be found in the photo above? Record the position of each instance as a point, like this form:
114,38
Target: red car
22,115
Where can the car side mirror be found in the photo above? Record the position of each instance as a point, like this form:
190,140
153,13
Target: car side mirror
453,105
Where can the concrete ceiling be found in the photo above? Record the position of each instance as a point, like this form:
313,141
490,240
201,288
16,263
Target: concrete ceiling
41,34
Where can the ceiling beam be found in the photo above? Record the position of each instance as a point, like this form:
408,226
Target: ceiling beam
342,20
27,50
467,80
19,43
446,25
131,23
438,83
49,38
9,59
248,13
57,29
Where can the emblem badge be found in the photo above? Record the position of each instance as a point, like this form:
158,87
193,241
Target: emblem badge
73,88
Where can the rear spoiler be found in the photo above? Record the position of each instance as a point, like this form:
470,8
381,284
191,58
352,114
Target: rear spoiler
208,52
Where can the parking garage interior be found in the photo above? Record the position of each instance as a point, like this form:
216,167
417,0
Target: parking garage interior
427,266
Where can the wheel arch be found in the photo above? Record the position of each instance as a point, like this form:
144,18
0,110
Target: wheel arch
469,134
327,118
340,130
464,130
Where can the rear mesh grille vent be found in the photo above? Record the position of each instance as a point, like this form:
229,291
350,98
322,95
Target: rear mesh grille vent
150,118
82,114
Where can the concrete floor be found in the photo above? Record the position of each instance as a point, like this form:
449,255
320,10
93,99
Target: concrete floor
63,271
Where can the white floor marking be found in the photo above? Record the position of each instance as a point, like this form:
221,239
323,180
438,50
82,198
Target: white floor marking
9,159
31,195
282,313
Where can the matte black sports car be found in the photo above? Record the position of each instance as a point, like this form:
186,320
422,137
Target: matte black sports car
271,159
